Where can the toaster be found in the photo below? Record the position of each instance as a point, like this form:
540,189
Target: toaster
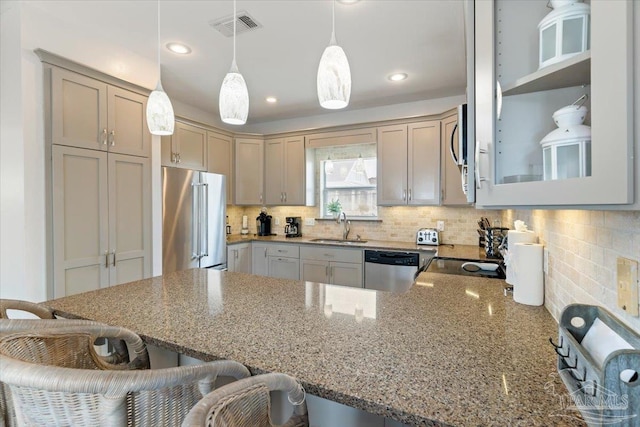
427,236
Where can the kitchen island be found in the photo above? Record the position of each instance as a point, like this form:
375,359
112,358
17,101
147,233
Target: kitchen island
452,350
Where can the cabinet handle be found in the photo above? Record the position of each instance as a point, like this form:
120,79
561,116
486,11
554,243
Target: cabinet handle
330,274
328,255
106,259
265,252
235,254
113,137
326,271
104,136
285,197
479,177
404,194
260,197
178,157
114,257
409,194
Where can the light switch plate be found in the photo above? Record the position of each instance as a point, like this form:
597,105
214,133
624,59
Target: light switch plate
627,283
310,221
440,225
277,221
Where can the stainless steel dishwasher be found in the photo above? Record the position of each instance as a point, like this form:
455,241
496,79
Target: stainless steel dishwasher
393,271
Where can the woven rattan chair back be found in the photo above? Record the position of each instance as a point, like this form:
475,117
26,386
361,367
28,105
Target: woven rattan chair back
30,307
247,403
63,396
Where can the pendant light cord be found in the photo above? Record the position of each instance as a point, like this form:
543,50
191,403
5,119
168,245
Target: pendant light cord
234,30
159,42
333,21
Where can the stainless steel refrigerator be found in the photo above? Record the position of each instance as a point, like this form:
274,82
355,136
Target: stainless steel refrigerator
194,208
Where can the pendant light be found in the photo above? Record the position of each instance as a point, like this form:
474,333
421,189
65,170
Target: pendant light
334,75
160,118
234,97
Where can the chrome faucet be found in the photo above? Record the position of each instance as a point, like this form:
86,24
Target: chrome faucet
346,228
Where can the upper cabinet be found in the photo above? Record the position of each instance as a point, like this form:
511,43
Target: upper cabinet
249,171
285,171
220,149
186,148
409,164
88,113
450,179
518,90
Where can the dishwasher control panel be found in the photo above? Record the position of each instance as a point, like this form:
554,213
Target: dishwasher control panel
427,236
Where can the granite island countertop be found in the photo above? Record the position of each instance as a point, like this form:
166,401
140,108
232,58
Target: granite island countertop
450,351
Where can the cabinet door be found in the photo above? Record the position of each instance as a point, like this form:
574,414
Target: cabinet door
509,147
294,185
423,161
346,274
221,157
78,110
450,179
274,164
167,151
129,218
392,165
190,144
128,132
239,258
259,259
314,271
284,268
249,170
80,221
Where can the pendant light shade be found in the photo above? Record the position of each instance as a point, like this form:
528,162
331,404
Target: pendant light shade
234,96
160,117
334,75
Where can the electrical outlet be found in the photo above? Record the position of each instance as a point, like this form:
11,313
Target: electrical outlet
627,284
440,225
277,221
310,221
545,262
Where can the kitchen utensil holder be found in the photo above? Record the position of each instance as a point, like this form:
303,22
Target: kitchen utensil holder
598,391
493,239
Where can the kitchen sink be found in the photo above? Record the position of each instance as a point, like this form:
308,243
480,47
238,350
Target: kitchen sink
339,241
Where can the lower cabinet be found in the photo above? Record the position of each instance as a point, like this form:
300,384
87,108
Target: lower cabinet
319,264
276,260
239,258
284,267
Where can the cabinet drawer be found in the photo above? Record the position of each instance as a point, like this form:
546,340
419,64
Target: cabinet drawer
291,251
325,253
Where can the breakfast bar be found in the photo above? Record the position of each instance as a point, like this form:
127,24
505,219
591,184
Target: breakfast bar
452,350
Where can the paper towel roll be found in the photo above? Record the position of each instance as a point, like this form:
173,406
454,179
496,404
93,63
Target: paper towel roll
245,223
514,237
527,263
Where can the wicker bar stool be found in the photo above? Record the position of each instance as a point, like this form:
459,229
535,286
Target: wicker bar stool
81,395
247,403
30,307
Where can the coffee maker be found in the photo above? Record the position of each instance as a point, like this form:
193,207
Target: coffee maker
293,227
263,223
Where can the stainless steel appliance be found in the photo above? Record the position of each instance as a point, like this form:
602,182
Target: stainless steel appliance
458,145
393,271
466,267
427,236
293,227
193,220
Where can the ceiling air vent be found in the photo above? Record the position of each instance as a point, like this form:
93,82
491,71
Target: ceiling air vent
244,23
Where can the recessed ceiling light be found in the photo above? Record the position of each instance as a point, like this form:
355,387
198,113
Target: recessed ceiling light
179,48
398,77
272,99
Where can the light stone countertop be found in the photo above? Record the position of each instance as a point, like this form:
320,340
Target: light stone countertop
446,250
453,350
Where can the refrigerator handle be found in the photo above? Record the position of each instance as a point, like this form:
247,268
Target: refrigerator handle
195,235
204,229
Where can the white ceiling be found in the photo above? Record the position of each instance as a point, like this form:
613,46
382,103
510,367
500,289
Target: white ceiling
424,38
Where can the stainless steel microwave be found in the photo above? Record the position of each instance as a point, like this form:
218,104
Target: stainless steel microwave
458,145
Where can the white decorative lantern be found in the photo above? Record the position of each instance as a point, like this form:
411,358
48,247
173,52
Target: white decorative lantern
564,32
566,151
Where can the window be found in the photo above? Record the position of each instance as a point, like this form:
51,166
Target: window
348,175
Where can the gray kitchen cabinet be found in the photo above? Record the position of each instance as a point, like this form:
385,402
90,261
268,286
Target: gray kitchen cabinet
88,113
187,148
276,260
101,219
220,151
450,179
239,257
331,265
284,267
409,164
259,258
285,171
507,153
249,171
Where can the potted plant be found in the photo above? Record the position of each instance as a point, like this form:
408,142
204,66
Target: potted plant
334,208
